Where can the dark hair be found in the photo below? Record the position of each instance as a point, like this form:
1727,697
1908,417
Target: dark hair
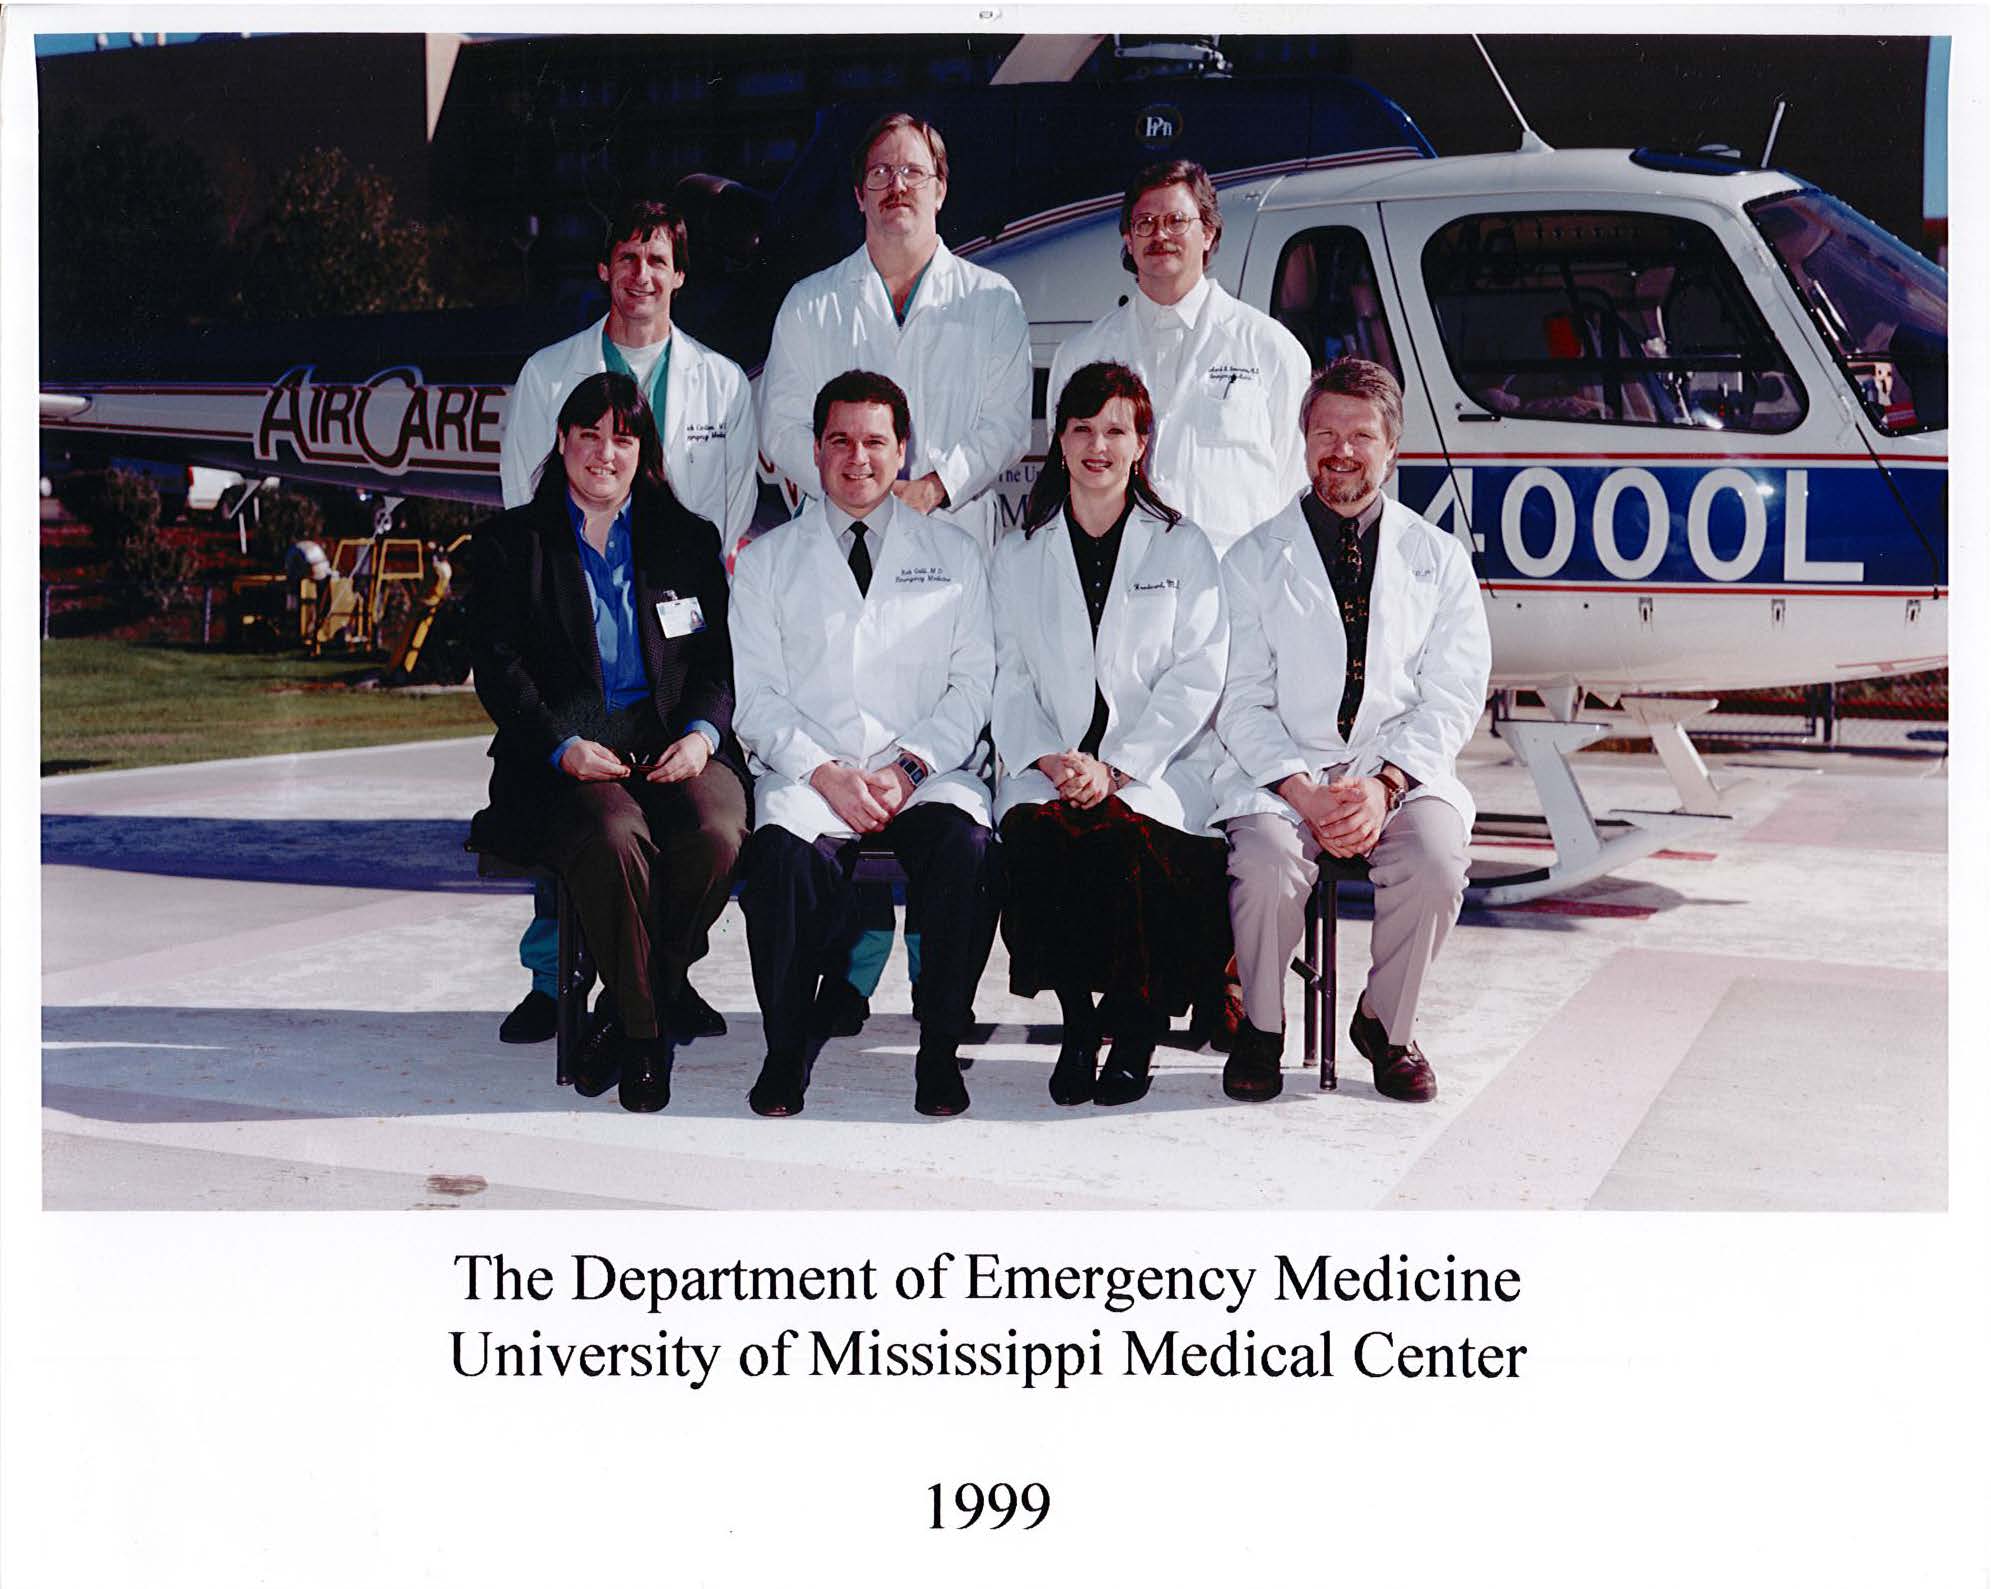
638,220
864,386
607,393
1086,394
1352,377
1165,174
936,145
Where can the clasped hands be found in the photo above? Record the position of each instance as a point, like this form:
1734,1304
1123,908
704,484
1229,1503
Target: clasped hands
596,763
1345,815
1081,780
863,801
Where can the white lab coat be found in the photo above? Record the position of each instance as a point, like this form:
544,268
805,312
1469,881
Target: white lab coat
821,673
1159,662
1227,451
710,450
962,359
1425,681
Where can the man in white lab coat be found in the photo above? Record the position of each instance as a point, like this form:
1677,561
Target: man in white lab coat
864,668
704,411
1226,380
951,335
956,340
1358,668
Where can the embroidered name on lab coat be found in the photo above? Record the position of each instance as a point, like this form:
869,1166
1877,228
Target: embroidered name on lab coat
1220,378
698,433
1152,588
931,574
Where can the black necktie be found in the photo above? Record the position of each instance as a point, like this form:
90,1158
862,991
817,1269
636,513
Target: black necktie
860,558
1354,620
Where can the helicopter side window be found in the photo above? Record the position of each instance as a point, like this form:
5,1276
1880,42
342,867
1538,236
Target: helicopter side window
1325,293
1606,318
1881,307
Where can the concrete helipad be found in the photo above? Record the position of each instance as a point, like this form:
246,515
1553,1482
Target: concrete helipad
277,984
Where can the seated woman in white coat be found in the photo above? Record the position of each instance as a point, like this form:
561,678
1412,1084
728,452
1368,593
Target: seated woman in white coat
1111,642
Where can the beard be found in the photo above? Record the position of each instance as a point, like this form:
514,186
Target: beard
1345,490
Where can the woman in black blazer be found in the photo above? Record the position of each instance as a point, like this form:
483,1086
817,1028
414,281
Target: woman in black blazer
599,610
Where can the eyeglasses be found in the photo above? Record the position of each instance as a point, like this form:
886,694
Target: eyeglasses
1173,225
881,176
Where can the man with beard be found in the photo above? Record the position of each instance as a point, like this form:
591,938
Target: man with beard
1225,379
1358,668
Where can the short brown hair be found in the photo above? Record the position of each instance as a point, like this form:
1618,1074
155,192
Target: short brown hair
865,386
1165,174
936,145
641,219
1351,377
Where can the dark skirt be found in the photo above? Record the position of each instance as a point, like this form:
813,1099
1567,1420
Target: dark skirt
1109,900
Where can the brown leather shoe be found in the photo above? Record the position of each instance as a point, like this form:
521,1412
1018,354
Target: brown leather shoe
1401,1070
1251,1073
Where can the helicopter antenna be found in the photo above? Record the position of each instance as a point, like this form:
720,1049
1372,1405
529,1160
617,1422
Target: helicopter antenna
1776,121
1530,143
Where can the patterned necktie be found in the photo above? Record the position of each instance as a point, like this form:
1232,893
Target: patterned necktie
860,557
1354,621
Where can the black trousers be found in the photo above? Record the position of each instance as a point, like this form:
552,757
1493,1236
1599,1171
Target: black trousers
650,866
802,916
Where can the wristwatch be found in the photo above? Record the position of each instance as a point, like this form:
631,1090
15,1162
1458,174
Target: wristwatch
1396,782
916,771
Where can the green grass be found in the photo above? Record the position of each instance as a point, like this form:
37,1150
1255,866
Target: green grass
114,703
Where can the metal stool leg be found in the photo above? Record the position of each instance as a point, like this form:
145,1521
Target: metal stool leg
1309,969
1324,989
575,976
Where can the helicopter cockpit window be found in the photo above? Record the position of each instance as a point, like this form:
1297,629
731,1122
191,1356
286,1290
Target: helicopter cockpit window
1882,308
1324,292
1606,318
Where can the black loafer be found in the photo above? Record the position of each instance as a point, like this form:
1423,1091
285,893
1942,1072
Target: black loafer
938,1090
1073,1075
690,1017
598,1066
777,1093
1400,1069
534,1018
1251,1073
646,1075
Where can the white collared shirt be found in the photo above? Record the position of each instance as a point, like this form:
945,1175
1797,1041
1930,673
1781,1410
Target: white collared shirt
876,523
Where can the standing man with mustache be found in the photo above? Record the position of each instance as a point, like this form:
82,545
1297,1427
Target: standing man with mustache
955,339
1358,667
703,410
1226,380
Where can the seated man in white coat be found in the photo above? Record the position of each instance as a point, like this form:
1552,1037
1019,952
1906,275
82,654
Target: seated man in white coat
1358,667
1225,379
864,668
703,409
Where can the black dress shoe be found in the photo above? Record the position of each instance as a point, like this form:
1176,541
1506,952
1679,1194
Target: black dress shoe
1251,1073
840,1011
646,1074
937,1086
777,1093
1072,1076
534,1018
1400,1069
690,1017
598,1066
1125,1077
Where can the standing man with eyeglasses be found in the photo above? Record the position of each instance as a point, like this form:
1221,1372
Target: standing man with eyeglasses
1225,379
954,338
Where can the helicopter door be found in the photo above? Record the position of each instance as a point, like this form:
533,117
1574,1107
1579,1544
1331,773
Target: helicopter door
1640,443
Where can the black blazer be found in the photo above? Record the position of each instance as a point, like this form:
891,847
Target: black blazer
538,670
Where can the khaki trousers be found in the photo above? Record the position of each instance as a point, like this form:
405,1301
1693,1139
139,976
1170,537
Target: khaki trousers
1418,868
